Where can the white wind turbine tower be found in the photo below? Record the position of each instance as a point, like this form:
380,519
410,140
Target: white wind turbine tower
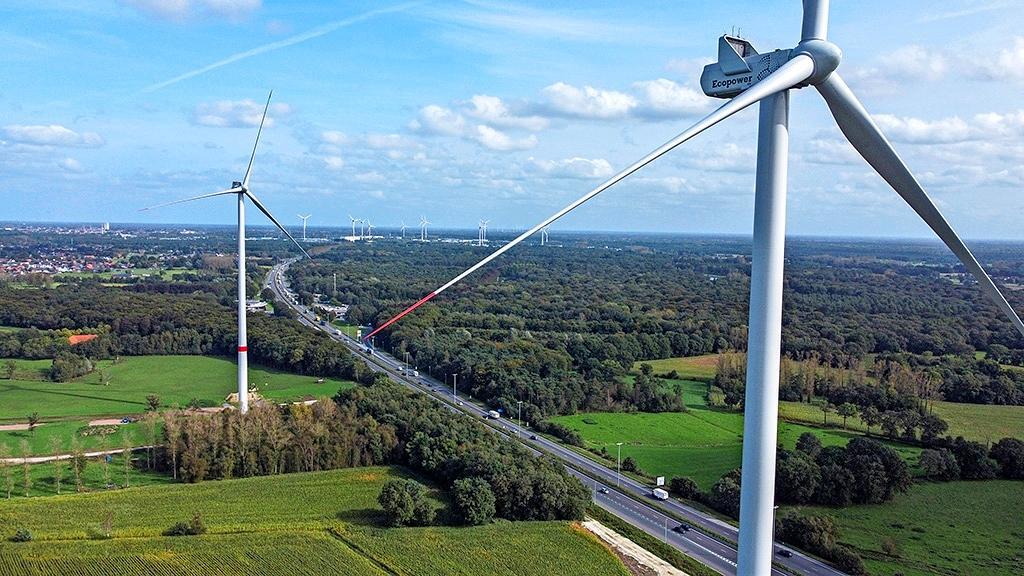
369,228
353,220
242,191
745,78
423,228
304,218
481,232
403,229
544,235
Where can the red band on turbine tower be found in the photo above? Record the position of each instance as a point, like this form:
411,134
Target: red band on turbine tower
243,348
399,316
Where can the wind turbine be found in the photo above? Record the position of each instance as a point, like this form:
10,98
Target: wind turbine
544,235
423,228
304,218
369,228
353,220
242,191
745,77
403,229
482,232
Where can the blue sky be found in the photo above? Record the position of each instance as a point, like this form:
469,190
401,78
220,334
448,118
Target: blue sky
497,110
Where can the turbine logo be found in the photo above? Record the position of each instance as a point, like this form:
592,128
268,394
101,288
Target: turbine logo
731,82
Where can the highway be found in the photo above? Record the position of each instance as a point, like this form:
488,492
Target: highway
620,495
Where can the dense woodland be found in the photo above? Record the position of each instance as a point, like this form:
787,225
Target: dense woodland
381,423
558,326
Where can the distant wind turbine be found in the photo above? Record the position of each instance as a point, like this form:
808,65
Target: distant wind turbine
482,232
353,220
423,228
403,229
544,235
242,191
304,218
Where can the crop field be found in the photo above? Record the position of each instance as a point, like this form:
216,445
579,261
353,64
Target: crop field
176,379
688,367
971,528
311,523
702,443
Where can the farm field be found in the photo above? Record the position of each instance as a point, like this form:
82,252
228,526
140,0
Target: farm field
702,443
258,526
176,379
940,528
93,479
702,367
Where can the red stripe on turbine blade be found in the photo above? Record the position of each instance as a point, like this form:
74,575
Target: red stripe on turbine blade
243,348
399,316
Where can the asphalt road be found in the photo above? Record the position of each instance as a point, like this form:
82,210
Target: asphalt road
621,495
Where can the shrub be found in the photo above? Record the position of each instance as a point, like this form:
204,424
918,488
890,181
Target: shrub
1009,453
474,501
684,487
193,527
564,433
405,503
22,535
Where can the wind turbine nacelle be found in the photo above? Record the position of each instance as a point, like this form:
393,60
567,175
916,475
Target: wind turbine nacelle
739,67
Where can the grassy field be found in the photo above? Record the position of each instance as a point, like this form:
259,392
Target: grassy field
349,329
176,379
315,523
93,477
702,443
971,528
979,422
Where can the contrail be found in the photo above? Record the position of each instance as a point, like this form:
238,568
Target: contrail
297,39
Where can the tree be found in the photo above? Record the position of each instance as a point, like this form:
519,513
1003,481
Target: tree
871,417
796,477
5,454
26,451
126,456
33,421
835,487
846,410
684,487
809,444
152,402
973,459
826,408
58,464
630,465
1009,454
10,367
939,464
725,496
474,501
78,463
932,428
397,502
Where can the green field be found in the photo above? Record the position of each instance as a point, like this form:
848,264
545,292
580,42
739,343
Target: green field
176,379
702,443
348,329
689,367
66,408
314,523
974,528
93,477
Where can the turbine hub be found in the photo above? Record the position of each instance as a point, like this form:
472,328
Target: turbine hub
826,57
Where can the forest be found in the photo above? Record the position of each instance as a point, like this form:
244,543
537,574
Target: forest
560,326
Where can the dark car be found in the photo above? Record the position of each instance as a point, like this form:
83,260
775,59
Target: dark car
785,553
681,528
533,436
602,490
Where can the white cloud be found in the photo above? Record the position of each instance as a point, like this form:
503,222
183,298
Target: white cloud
71,165
918,131
334,163
390,142
498,140
372,177
576,167
1006,65
51,135
588,102
913,63
493,111
236,113
723,157
440,121
182,10
334,137
664,98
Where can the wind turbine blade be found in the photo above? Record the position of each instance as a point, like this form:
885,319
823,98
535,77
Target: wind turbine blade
200,197
248,171
863,133
788,75
266,212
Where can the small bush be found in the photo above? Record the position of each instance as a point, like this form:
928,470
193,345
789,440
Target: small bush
22,535
193,527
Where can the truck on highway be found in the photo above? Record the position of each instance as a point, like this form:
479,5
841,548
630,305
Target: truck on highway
659,494
493,414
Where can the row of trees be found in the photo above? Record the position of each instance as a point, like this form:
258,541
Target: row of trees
377,424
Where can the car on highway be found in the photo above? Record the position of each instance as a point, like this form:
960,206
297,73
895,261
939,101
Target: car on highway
533,436
784,553
681,528
602,490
